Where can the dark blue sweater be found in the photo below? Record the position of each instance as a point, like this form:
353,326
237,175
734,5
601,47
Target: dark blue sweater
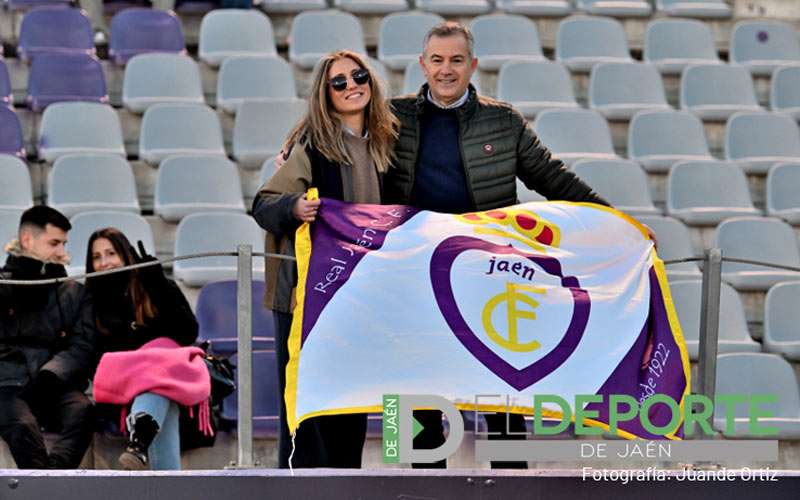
440,182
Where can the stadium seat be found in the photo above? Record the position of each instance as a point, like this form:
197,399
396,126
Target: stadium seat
267,170
622,183
261,128
659,139
759,140
524,195
500,38
414,78
694,8
455,8
574,134
751,373
532,86
673,243
264,392
760,239
54,30
619,8
784,95
672,44
583,41
781,320
134,226
139,31
538,8
84,183
400,37
217,317
229,230
763,46
715,92
11,141
253,78
235,32
9,228
620,90
79,127
704,193
189,184
733,333
315,34
173,129
15,191
292,6
371,7
6,97
783,180
65,77
160,79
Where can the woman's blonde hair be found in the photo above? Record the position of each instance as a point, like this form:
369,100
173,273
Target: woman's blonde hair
323,129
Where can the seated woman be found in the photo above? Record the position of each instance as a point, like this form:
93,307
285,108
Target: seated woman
134,308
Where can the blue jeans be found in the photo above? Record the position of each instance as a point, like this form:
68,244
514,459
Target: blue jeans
165,451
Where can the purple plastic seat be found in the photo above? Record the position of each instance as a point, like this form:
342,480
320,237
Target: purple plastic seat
6,99
65,77
30,4
10,133
138,31
54,30
265,395
216,315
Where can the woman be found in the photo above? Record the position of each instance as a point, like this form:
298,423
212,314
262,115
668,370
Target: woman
343,146
134,308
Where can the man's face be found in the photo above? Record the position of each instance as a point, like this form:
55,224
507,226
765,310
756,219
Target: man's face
447,67
47,245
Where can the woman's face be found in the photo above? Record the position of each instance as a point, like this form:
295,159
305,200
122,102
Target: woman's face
354,97
104,256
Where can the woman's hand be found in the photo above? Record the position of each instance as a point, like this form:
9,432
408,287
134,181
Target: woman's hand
305,210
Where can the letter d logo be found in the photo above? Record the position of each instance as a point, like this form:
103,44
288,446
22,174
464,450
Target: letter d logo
407,452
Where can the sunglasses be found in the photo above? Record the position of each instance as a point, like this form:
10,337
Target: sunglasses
339,82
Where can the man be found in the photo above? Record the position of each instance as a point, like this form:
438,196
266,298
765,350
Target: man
46,348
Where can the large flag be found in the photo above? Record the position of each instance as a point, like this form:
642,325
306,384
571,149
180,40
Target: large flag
553,298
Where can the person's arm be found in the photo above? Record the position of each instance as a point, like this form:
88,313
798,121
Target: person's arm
174,316
274,204
78,359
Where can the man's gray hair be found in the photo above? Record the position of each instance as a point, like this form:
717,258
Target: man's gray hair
450,28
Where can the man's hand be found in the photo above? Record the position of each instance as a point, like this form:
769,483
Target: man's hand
305,210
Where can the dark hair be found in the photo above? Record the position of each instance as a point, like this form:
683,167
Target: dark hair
38,217
143,307
450,28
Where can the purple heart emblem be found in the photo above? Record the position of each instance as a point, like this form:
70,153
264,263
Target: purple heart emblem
441,264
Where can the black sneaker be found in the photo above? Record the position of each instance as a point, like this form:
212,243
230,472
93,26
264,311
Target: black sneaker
143,430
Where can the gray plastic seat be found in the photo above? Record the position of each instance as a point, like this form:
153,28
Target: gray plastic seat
500,38
230,230
175,129
267,170
134,226
315,34
659,139
672,44
190,184
751,373
371,6
761,239
525,195
160,78
414,78
704,193
783,181
292,6
533,86
16,192
79,127
9,228
694,8
733,333
452,7
620,90
674,243
782,320
253,78
538,8
784,95
400,37
583,41
261,128
235,32
759,140
85,183
763,46
620,8
622,183
574,134
716,91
